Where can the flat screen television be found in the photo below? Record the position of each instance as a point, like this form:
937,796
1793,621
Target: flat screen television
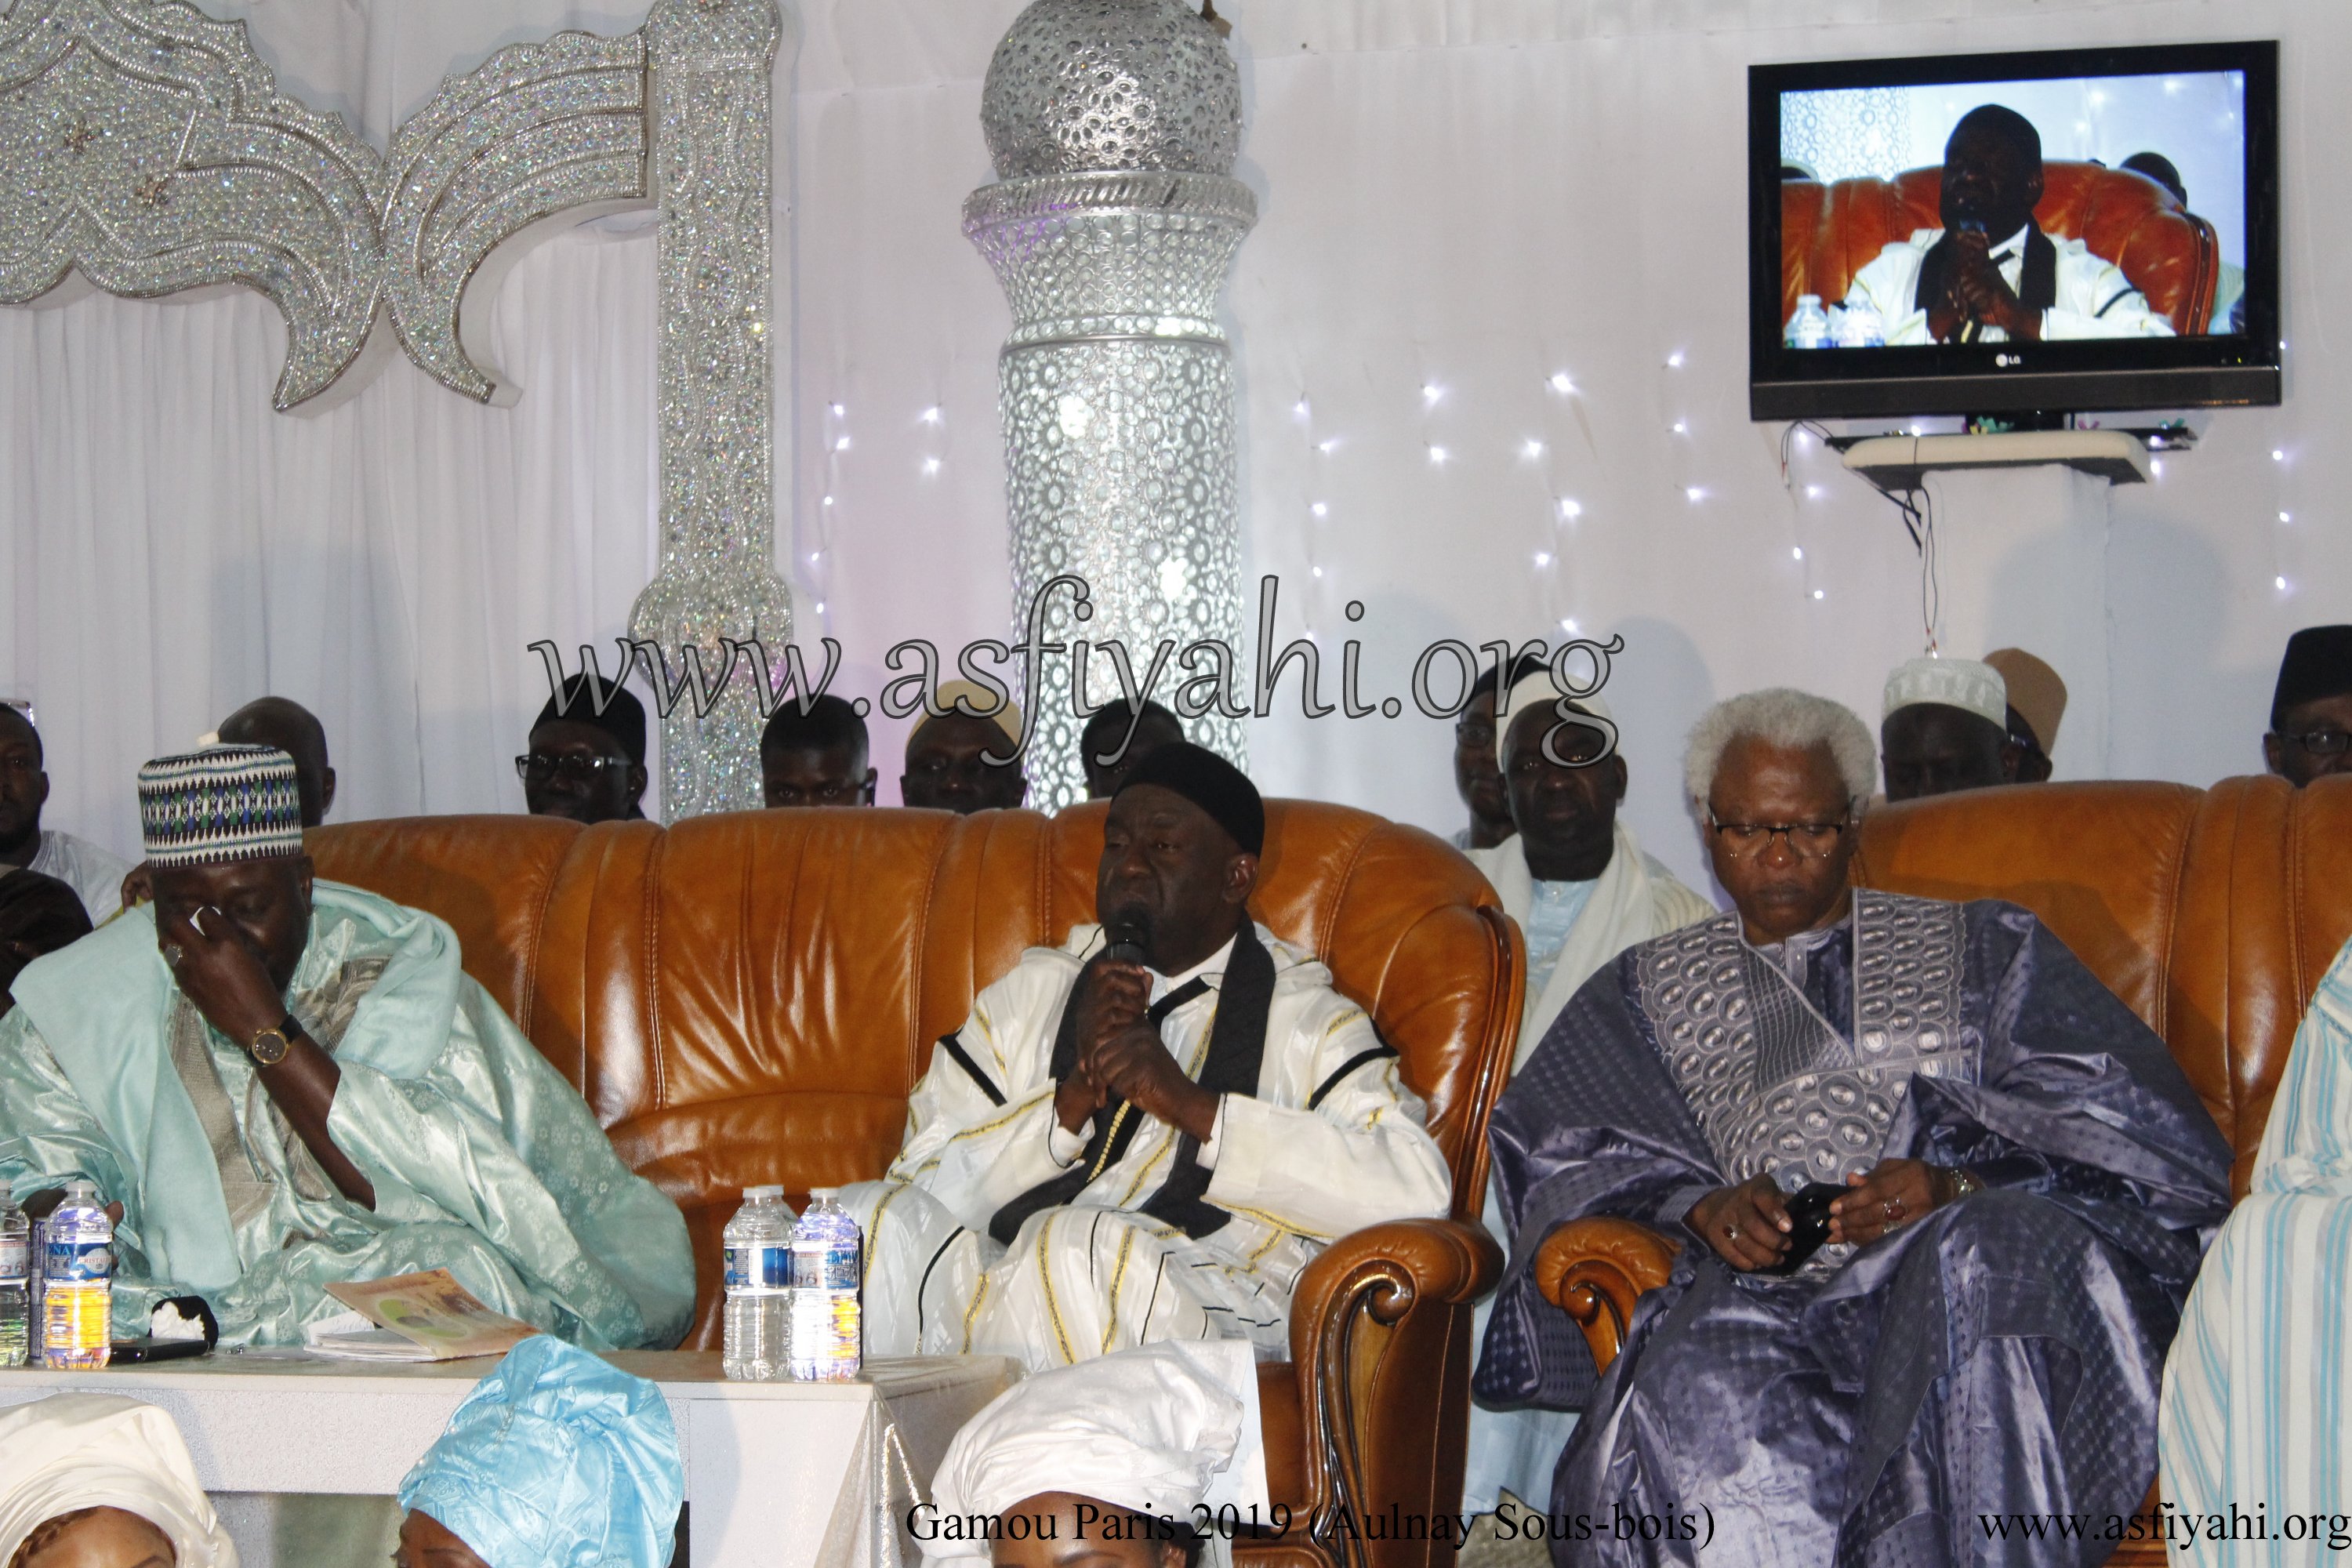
2006,234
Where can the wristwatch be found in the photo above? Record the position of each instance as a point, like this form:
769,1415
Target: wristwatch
269,1047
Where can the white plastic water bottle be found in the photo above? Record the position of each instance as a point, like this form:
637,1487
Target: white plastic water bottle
759,1242
33,1292
1810,327
77,1281
1861,327
15,1284
828,1265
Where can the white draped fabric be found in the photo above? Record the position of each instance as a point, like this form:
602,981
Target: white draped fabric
1466,195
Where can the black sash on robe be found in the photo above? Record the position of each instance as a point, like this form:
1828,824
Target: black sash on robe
1237,1050
2037,283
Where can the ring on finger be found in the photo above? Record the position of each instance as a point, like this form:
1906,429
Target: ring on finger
1891,1210
1731,1233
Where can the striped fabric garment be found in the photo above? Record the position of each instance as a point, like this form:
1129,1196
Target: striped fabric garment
2254,1414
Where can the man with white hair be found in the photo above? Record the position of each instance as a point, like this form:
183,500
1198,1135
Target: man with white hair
1583,892
1946,728
1854,1111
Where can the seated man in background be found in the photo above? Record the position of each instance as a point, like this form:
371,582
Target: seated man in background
97,1480
2028,1182
1946,728
288,1083
947,755
1147,1132
287,725
38,915
2311,708
1990,274
816,758
1583,892
2255,1404
2037,702
2230,288
1104,1451
557,1457
1477,776
95,876
1118,730
585,762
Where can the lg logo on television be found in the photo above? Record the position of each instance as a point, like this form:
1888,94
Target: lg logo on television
2005,361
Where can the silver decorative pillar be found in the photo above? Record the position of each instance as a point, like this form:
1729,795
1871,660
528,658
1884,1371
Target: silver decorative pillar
1114,125
711,63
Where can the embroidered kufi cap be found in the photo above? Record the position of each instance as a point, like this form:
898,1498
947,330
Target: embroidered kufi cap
1963,683
225,803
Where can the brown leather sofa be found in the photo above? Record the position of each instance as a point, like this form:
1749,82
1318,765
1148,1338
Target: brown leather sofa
2213,913
751,998
1830,232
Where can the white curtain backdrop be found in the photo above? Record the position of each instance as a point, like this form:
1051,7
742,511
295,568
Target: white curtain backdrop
1465,197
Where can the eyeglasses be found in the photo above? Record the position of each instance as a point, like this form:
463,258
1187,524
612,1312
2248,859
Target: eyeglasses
2321,743
538,768
1810,840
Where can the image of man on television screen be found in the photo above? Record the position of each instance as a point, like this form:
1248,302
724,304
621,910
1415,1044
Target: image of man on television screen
1990,274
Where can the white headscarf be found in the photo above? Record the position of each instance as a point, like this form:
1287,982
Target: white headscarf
73,1451
1156,1429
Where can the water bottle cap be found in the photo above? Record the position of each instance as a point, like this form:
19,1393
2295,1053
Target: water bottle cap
1808,299
823,1194
81,1189
761,1194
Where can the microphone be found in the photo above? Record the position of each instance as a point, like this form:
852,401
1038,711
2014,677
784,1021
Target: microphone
1971,326
1125,944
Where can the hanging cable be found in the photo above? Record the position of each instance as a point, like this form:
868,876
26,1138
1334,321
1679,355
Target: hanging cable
1931,568
1821,432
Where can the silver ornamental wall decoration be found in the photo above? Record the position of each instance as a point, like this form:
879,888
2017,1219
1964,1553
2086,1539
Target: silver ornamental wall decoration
145,149
1114,126
712,62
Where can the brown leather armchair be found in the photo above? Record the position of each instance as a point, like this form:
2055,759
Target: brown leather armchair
751,998
1830,232
2213,914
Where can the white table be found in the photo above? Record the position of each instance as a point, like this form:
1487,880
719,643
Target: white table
772,1469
